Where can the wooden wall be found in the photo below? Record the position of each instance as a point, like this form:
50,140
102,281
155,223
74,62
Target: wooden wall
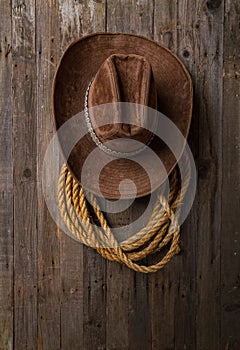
56,294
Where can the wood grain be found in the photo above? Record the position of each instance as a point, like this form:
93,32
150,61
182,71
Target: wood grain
130,328
230,237
91,274
49,284
207,70
163,285
130,16
24,165
6,181
58,294
186,292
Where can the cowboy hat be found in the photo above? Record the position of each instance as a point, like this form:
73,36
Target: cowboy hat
114,68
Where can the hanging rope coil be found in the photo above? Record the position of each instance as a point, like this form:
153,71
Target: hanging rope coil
162,229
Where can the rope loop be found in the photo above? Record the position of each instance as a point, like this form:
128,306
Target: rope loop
161,231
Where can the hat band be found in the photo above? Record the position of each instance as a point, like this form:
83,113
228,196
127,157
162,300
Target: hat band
97,140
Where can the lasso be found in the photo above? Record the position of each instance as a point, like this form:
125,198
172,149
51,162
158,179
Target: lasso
162,229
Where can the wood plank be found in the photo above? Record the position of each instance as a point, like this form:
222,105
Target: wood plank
24,163
209,188
80,17
6,181
92,19
200,37
82,269
163,284
49,283
119,304
139,332
186,291
162,289
230,237
165,23
130,16
128,316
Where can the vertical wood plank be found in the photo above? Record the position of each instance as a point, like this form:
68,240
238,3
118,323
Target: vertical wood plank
140,336
82,270
119,305
130,16
209,92
127,291
25,191
49,293
6,181
200,45
80,17
163,284
165,23
230,239
186,292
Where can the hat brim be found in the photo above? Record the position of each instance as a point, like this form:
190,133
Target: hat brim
79,64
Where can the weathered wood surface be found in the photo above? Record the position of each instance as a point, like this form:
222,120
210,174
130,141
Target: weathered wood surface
24,102
230,235
56,294
6,181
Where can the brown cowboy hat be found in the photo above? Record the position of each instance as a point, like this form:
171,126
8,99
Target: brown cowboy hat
107,68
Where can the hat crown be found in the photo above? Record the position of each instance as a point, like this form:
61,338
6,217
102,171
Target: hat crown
123,78
80,63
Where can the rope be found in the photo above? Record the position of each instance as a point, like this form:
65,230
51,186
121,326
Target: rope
162,229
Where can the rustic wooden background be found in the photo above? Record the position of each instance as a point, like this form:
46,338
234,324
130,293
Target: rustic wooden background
56,294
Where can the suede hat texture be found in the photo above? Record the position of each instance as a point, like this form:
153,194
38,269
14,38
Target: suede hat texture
119,67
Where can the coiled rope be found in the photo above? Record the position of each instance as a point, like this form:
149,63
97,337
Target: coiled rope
162,229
